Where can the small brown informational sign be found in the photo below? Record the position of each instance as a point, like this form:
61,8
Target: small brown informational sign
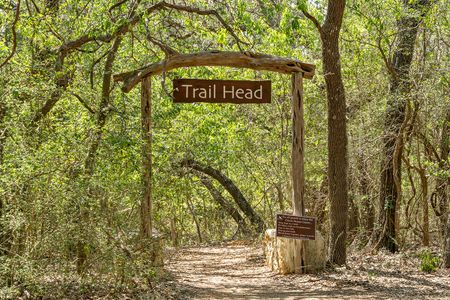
221,91
295,227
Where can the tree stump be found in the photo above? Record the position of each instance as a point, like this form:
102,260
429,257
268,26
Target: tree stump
280,253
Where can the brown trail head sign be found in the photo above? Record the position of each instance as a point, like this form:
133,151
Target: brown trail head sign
221,91
295,227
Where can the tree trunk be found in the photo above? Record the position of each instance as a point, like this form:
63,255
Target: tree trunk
173,231
353,222
224,203
337,131
2,131
5,236
367,214
442,183
385,234
447,245
298,146
194,218
337,128
425,219
234,191
146,201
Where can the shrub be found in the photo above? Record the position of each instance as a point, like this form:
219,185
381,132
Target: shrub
428,262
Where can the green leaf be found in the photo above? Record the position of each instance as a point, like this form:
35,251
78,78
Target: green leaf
302,4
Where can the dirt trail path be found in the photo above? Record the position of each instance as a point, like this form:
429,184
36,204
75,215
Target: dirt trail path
238,272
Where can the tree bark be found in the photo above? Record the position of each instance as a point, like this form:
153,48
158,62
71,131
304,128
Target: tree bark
234,191
250,60
442,183
425,214
337,132
298,146
367,214
298,168
385,234
337,128
194,218
447,245
2,131
146,124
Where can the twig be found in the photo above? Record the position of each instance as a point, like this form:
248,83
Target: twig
83,102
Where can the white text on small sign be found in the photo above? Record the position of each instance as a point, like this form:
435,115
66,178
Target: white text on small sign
221,91
296,227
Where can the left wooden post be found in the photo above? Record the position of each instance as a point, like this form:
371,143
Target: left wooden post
146,124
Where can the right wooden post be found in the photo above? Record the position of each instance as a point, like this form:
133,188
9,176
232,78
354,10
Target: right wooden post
298,133
298,170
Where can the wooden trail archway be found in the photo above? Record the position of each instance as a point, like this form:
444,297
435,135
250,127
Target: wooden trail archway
248,60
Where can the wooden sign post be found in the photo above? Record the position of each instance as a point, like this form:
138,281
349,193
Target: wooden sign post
298,173
226,91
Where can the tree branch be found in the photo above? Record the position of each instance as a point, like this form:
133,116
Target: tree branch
83,102
73,45
250,60
313,19
14,33
198,11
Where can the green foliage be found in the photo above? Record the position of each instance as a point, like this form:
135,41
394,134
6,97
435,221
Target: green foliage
43,180
428,262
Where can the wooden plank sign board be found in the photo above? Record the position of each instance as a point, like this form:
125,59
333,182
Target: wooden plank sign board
221,91
295,227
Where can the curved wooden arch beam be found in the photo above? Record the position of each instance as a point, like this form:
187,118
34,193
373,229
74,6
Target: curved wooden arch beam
248,60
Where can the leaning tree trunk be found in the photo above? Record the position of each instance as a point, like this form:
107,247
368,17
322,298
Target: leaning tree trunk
234,191
385,234
224,203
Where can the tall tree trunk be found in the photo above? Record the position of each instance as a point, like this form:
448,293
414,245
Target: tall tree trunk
4,234
385,234
425,214
2,131
442,183
146,124
447,244
337,128
234,191
337,132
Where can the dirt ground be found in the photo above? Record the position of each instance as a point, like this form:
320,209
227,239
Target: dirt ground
237,271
